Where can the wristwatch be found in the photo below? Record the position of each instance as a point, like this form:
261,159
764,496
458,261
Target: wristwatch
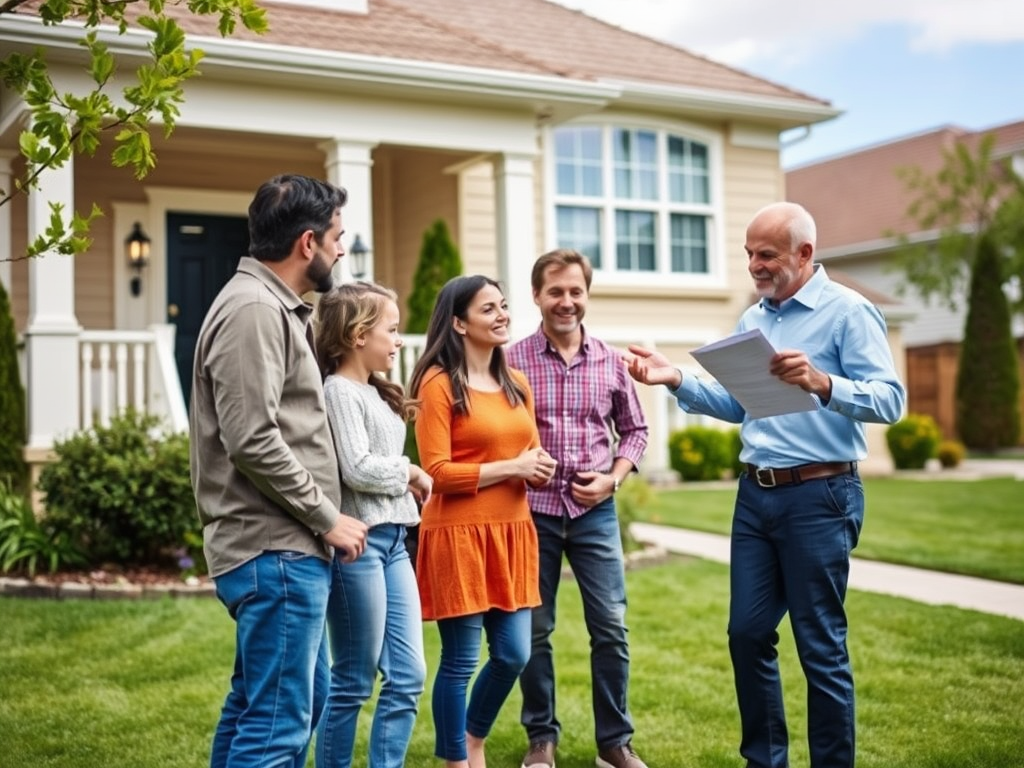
615,484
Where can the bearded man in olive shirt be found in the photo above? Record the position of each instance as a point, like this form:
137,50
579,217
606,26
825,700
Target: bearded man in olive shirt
265,474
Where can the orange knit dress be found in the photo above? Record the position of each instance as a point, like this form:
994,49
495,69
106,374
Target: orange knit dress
477,546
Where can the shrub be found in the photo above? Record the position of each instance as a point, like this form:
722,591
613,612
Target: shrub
122,493
634,494
735,447
913,440
26,543
700,453
951,453
988,378
12,401
439,262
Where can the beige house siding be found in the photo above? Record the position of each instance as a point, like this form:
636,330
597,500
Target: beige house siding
478,227
412,188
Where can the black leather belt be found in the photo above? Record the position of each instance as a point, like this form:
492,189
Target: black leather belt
768,477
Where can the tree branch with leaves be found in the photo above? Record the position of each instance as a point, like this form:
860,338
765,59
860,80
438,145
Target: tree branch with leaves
973,195
63,124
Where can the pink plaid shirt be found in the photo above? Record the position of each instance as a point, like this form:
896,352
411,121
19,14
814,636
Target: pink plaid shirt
583,409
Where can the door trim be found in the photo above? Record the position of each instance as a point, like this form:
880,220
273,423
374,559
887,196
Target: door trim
177,200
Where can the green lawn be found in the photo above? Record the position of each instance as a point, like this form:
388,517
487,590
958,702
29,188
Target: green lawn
138,684
969,527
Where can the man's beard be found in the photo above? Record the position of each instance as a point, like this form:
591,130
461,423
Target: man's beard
320,273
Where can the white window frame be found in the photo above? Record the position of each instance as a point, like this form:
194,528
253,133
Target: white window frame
662,276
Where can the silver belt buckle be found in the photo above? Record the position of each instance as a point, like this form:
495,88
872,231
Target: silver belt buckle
765,477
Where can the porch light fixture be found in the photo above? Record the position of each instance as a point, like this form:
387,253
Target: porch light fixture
359,252
137,246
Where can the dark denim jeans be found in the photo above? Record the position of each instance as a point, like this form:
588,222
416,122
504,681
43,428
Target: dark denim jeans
791,552
508,648
278,601
593,546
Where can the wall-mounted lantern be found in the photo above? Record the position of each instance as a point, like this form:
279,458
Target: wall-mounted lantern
137,246
359,253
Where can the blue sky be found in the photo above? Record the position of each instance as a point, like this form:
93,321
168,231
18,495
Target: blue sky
896,67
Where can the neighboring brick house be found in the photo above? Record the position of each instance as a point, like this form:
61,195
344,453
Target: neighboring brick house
860,203
523,124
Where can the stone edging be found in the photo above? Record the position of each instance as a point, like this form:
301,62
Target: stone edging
72,590
76,591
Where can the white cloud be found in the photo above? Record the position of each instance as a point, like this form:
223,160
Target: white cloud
740,31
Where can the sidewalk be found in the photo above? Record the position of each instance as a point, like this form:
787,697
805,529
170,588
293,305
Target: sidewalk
901,581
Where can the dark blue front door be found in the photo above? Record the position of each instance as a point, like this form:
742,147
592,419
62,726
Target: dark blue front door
202,254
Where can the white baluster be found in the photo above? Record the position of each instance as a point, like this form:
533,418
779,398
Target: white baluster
121,358
104,383
86,379
139,383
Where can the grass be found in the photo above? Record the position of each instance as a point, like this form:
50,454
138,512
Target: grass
969,527
138,684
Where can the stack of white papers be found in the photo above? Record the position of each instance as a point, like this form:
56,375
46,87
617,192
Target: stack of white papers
740,364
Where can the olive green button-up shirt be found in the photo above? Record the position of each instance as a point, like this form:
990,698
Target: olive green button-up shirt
263,465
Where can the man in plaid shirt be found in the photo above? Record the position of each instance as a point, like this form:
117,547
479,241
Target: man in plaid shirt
582,392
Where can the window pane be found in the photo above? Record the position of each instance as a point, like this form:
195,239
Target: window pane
689,243
635,243
647,148
580,228
578,161
636,165
687,171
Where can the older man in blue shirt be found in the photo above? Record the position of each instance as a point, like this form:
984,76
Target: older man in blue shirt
800,503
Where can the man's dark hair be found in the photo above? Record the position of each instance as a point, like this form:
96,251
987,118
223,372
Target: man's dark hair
286,206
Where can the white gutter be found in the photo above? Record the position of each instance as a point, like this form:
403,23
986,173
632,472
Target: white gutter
718,102
880,245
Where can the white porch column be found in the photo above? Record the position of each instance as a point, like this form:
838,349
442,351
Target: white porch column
5,220
348,165
517,239
52,333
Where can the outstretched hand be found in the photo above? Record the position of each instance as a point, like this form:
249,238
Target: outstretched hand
650,367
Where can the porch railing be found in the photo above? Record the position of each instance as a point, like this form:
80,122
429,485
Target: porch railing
122,369
137,368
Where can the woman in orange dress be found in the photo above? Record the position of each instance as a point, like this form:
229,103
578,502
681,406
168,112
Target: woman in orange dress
477,566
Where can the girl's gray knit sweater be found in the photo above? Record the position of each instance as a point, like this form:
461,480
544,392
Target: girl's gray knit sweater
369,438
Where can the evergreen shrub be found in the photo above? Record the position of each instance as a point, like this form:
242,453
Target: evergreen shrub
12,401
988,377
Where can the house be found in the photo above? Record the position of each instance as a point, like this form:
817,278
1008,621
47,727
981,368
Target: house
523,124
860,204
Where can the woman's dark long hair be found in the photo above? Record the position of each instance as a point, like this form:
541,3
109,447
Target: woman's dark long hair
345,313
445,348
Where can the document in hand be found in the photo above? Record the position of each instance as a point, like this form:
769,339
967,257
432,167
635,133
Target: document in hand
740,364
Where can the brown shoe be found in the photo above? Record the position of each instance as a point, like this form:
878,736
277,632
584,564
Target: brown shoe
540,755
622,756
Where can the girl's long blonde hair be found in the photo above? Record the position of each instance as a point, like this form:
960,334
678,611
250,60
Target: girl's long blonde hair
345,313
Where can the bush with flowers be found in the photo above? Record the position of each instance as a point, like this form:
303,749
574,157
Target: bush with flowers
913,440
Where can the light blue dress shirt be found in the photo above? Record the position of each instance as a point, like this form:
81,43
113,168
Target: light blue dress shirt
844,335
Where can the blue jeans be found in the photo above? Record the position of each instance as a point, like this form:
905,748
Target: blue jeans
278,601
373,621
508,648
593,546
791,552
